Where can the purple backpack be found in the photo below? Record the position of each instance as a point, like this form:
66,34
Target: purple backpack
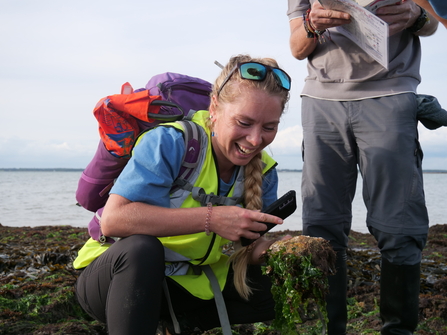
180,96
187,92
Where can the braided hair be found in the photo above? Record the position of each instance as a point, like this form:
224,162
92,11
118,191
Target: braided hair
253,170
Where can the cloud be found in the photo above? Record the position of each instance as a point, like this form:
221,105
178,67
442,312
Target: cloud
287,141
433,143
59,58
22,153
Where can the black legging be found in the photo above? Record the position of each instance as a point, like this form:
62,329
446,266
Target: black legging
123,288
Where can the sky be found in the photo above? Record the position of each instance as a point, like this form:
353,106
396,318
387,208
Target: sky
58,58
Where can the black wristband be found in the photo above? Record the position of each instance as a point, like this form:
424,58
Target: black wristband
420,21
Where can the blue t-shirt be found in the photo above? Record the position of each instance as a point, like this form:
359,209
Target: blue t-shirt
440,7
155,164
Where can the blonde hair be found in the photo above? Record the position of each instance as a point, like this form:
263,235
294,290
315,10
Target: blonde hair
253,170
236,83
253,200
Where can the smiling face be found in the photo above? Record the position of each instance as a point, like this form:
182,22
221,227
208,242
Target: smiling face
244,127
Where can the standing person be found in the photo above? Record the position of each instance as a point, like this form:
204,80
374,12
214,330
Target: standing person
124,285
358,115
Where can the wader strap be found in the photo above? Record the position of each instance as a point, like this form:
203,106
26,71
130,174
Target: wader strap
175,323
220,303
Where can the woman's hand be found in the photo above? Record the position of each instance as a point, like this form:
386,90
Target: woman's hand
122,217
232,222
260,247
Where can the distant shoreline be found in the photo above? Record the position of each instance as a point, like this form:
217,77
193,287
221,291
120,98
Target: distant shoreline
80,170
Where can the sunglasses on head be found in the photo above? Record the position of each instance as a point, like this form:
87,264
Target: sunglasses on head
258,72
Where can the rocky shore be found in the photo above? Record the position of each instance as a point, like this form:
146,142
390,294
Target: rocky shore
37,296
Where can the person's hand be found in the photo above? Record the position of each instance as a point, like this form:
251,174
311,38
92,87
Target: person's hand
321,18
232,222
400,16
260,247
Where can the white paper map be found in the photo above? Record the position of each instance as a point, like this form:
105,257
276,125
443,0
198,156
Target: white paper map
367,30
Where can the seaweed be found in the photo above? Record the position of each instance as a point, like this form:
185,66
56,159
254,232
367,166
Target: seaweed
299,268
32,265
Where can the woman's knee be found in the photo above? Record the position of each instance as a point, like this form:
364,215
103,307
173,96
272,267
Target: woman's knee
141,250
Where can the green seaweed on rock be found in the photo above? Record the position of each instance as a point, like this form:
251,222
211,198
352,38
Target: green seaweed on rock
299,268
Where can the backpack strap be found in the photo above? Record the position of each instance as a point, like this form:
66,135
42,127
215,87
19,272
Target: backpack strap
193,138
175,322
220,302
199,194
189,115
218,298
192,135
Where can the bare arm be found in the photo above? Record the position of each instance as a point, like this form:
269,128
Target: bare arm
399,17
300,45
122,217
320,19
426,5
403,15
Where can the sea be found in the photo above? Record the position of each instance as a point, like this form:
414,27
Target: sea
46,197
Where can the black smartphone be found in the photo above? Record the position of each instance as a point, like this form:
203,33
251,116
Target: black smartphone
283,207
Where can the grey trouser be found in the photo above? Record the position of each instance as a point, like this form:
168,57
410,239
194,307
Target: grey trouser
378,136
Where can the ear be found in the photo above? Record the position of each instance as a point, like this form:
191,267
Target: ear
213,108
